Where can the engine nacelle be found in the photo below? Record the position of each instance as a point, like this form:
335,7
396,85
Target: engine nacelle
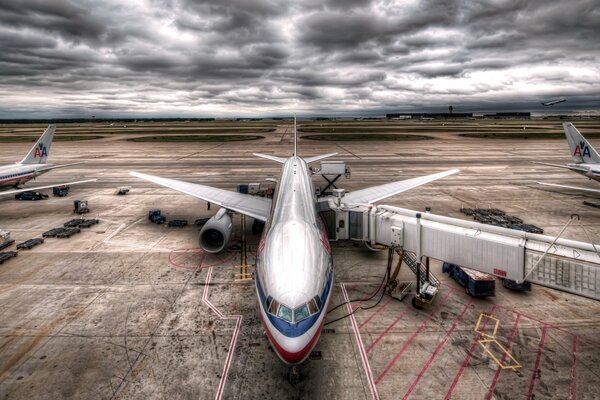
215,234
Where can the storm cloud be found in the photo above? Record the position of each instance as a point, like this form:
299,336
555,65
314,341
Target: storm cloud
260,57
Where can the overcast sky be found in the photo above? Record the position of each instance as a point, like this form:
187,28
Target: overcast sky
260,57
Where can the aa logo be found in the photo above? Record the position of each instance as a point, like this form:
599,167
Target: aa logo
582,150
40,151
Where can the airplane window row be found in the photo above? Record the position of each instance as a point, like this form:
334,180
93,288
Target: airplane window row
300,313
13,175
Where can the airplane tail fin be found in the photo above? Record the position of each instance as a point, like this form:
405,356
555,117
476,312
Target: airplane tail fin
41,149
295,138
581,150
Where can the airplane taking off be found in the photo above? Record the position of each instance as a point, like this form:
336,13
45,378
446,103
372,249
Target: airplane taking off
553,102
586,159
294,265
32,166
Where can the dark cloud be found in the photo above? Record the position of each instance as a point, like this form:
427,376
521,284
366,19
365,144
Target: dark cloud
214,57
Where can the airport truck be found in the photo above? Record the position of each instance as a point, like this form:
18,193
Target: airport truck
155,217
80,207
5,239
476,284
61,191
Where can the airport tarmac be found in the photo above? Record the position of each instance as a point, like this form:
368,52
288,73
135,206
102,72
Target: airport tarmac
130,309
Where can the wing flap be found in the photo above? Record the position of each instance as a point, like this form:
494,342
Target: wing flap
377,193
255,207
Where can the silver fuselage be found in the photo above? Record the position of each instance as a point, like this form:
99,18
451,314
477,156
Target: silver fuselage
294,266
14,175
593,170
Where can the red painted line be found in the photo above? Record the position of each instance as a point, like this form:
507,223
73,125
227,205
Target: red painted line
437,350
361,348
467,358
499,369
413,337
538,359
234,337
572,385
385,332
380,309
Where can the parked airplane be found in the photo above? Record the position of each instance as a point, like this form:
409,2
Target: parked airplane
586,159
32,166
553,102
294,266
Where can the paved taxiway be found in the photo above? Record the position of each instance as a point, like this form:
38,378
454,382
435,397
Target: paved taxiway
129,309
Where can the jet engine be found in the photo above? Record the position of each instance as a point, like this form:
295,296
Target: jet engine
215,234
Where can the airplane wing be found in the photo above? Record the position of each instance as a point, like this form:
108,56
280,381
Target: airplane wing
570,187
376,193
7,192
255,207
572,168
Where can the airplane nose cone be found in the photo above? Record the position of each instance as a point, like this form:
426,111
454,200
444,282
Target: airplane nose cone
293,350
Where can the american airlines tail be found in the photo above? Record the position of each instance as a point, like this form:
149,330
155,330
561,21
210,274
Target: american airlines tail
581,150
40,151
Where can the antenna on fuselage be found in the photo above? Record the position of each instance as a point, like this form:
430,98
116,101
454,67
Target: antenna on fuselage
295,138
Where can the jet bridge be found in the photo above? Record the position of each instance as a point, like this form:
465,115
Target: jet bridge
559,263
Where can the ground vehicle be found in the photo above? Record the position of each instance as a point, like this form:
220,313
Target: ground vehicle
155,217
6,255
80,207
31,195
86,223
67,232
513,285
52,232
476,284
5,239
178,223
123,190
28,244
60,191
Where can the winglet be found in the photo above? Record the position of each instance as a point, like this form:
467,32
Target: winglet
40,150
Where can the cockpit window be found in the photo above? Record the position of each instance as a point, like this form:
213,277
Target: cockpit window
300,313
313,308
273,306
284,313
317,300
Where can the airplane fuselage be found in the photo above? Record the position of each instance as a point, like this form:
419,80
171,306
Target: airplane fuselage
13,175
294,268
592,171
